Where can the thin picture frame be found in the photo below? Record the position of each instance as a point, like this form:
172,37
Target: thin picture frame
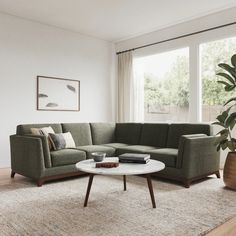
57,94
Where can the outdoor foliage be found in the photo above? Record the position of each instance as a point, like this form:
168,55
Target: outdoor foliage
172,90
173,87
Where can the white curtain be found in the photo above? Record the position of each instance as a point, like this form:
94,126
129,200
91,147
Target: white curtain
130,90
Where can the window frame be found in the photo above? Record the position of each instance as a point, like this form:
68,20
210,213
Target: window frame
193,42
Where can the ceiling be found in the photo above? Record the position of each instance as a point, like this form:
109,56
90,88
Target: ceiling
113,20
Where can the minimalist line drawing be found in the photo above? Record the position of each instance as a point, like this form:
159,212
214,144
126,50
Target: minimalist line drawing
51,104
71,88
57,94
42,95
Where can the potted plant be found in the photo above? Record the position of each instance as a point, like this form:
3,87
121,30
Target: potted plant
227,120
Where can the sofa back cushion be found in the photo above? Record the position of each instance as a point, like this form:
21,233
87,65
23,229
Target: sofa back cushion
103,133
80,132
25,129
128,133
154,135
177,130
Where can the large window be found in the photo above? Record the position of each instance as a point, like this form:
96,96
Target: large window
166,85
213,94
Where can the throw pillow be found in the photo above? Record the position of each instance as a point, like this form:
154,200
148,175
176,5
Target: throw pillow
36,131
62,140
46,130
43,131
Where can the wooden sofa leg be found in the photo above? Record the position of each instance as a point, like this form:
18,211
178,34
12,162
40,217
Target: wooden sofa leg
40,182
12,174
187,183
218,174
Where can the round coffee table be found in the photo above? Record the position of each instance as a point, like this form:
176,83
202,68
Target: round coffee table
88,166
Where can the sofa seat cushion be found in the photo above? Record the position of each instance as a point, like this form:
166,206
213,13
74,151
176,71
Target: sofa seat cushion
135,149
116,145
67,157
166,155
89,149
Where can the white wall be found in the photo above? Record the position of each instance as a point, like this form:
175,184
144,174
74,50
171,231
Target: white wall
28,49
192,42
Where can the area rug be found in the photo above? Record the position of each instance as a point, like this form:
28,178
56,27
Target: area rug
57,208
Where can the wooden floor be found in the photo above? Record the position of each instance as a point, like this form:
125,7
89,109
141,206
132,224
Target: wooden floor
226,229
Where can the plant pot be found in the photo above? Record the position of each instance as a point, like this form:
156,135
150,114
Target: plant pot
229,174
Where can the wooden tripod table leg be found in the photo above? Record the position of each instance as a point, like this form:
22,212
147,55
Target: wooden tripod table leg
124,180
88,189
149,181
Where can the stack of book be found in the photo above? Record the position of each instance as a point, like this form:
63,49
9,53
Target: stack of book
134,158
108,162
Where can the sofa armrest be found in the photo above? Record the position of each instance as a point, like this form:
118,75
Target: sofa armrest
27,157
46,151
198,155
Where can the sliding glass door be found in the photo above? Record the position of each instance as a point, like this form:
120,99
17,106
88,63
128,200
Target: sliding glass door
181,85
213,94
165,80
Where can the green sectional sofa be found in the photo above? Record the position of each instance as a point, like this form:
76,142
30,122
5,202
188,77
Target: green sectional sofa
187,150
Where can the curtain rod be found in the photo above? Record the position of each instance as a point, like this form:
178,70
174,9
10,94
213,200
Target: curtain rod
178,37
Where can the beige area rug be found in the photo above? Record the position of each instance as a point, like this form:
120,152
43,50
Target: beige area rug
57,208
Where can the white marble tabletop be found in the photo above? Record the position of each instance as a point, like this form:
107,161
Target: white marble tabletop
123,169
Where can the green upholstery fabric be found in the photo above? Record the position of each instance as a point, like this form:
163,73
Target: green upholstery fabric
199,156
116,145
25,129
103,133
177,130
154,135
97,148
58,170
128,133
134,149
167,155
80,132
46,151
27,156
195,157
67,157
182,141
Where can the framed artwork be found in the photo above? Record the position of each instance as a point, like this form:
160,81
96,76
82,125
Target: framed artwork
57,94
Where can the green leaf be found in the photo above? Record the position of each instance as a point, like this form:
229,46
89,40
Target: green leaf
222,117
223,132
230,100
233,60
229,88
234,143
230,145
227,76
228,68
224,145
231,118
218,148
232,124
223,82
219,123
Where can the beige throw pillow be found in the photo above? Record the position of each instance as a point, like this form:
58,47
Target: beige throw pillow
35,131
44,131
